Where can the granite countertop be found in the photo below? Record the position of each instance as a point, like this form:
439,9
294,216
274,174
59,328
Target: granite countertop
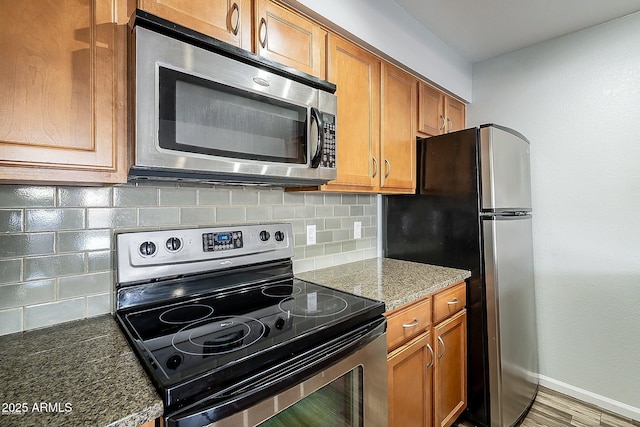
81,373
392,281
84,372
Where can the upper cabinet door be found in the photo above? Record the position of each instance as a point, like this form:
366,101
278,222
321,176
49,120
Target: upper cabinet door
226,20
63,85
398,144
356,74
455,114
438,113
431,120
290,39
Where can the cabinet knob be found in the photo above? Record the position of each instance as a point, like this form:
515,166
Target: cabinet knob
388,163
375,170
443,123
454,302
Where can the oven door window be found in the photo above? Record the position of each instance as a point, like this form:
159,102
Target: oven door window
339,403
201,116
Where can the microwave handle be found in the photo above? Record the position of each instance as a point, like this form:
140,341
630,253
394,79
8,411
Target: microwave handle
315,160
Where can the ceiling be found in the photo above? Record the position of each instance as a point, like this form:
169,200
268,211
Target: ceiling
482,29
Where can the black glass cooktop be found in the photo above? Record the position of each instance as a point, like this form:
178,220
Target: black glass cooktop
231,334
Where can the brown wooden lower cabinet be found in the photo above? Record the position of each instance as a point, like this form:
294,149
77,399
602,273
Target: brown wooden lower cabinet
450,369
427,374
152,423
410,372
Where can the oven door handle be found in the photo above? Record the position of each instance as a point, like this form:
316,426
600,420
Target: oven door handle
276,379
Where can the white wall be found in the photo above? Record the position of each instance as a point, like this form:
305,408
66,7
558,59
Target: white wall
387,27
577,98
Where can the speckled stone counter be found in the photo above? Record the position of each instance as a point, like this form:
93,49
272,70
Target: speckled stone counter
392,281
81,373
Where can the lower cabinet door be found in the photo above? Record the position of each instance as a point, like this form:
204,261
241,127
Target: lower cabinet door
450,369
410,383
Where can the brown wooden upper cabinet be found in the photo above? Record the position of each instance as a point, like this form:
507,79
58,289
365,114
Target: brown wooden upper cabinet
63,86
229,21
289,38
356,74
397,146
438,113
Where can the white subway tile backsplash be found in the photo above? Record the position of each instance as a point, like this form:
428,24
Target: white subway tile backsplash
11,220
111,217
17,196
148,217
244,197
259,213
270,197
135,196
99,304
53,266
304,212
85,240
198,215
16,245
214,197
231,215
82,285
11,321
27,293
178,196
57,244
10,270
99,261
283,212
84,197
38,316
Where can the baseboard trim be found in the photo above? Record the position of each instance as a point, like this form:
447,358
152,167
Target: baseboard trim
595,399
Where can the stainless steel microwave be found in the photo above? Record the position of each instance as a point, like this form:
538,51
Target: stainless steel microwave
208,112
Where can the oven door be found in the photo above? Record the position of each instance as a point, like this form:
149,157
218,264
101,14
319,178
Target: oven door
341,383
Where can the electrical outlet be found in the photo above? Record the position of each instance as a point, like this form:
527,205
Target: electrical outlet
311,234
357,230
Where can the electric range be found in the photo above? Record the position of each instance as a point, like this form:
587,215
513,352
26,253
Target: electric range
219,321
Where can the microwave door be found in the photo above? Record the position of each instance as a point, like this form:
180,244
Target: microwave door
204,117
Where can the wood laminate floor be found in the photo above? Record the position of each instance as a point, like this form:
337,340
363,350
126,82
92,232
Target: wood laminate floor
552,409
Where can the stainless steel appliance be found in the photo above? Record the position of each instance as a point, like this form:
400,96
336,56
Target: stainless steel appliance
230,337
206,111
472,210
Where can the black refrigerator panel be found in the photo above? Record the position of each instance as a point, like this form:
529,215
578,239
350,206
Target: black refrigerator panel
440,225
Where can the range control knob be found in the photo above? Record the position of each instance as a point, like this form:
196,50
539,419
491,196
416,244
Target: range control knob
279,236
147,249
173,244
264,235
174,361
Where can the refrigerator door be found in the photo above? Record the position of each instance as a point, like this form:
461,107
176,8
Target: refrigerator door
505,175
511,317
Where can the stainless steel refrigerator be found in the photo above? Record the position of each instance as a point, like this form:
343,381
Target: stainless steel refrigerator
472,210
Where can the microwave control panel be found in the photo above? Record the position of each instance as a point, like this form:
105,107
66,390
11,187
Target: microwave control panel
329,150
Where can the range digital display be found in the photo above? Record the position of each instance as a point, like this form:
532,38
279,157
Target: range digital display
221,241
223,237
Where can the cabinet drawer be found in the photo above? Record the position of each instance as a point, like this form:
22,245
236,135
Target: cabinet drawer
450,301
408,323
